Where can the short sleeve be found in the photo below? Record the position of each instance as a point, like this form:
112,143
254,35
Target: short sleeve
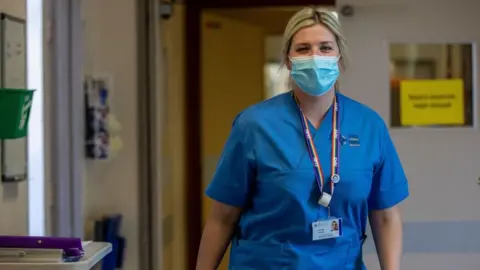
235,171
389,185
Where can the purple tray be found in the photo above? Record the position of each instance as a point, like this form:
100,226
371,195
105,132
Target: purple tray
30,242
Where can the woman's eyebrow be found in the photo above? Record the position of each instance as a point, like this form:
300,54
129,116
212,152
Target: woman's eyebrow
326,43
308,44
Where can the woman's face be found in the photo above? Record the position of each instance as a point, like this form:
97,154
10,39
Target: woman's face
314,40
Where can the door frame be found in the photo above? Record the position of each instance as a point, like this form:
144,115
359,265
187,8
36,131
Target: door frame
193,106
64,54
149,138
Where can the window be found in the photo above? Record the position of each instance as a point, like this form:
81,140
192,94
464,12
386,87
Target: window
431,85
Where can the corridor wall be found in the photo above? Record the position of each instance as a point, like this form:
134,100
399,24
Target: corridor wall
110,50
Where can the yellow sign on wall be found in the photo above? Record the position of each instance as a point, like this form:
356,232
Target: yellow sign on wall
432,102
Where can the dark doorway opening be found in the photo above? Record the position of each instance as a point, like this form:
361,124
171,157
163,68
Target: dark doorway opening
193,104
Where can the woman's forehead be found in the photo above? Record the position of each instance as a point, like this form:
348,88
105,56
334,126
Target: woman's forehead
313,35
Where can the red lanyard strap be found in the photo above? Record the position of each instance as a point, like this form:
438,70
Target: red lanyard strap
312,149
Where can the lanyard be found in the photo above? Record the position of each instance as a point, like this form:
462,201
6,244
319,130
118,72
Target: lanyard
312,149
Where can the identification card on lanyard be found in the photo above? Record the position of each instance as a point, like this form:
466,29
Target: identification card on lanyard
325,197
326,229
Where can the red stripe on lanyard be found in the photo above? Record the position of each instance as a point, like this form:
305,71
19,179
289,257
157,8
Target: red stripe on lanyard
312,149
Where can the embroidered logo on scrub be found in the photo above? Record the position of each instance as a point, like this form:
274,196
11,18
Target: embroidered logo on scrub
352,140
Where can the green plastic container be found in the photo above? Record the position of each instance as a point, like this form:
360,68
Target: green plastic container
15,105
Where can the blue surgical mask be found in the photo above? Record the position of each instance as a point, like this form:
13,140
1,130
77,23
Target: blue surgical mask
315,75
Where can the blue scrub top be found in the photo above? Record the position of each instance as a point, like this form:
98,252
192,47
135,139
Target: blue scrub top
265,169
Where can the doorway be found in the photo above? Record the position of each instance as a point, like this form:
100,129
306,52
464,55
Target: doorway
233,46
214,96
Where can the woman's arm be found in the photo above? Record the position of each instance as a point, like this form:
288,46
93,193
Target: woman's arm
389,189
216,235
230,192
387,233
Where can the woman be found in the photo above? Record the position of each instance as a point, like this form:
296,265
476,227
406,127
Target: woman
302,160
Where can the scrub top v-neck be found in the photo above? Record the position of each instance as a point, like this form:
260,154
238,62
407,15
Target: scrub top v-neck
265,169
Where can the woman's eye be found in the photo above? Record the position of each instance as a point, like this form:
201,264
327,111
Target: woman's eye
303,49
325,48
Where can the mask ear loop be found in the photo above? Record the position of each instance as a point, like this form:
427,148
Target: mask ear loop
290,83
336,83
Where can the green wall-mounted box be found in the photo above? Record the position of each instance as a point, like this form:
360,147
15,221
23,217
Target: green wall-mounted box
15,105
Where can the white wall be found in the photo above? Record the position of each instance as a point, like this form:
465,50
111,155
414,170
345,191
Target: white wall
446,159
110,49
13,196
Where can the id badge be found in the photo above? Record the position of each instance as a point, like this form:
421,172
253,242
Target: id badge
326,229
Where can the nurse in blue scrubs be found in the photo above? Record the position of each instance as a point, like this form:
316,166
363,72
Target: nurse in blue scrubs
302,172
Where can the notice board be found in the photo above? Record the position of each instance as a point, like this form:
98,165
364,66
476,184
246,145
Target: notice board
432,102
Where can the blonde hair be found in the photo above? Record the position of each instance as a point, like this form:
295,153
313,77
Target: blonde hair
311,16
